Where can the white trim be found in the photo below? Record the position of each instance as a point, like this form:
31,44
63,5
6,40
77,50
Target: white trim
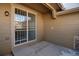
27,26
13,26
25,43
35,26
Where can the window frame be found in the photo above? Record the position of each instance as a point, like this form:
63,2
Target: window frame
13,25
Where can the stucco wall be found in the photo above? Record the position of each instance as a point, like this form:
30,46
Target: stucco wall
61,31
5,27
39,19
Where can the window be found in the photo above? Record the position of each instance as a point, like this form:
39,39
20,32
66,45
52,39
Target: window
31,26
20,26
67,6
24,26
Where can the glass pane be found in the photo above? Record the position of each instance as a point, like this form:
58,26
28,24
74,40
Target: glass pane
31,26
20,26
17,42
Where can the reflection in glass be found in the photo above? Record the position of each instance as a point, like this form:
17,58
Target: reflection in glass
20,26
31,26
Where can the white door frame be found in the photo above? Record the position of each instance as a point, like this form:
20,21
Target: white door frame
13,25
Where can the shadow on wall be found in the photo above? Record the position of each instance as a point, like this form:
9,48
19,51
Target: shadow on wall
61,30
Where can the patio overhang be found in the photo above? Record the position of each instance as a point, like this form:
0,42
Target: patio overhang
45,8
53,11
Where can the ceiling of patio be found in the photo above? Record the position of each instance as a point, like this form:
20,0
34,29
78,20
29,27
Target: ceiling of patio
41,8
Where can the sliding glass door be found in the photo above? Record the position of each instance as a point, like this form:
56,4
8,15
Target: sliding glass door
24,27
20,26
31,27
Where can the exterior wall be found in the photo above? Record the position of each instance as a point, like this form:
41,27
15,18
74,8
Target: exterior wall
5,26
61,31
5,35
39,20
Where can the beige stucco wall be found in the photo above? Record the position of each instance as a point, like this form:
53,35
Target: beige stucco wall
61,31
39,19
5,27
